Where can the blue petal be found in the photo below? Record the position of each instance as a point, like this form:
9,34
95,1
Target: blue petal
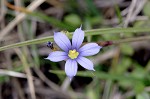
86,63
71,68
57,56
62,41
89,49
77,39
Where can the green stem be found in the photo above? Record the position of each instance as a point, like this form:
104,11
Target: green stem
143,38
87,33
101,75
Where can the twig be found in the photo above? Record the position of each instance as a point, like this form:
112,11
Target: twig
65,84
131,8
17,88
49,83
19,18
3,10
27,70
138,39
22,38
12,73
142,18
2,14
139,7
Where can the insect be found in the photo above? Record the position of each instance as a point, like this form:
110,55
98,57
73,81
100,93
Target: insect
50,45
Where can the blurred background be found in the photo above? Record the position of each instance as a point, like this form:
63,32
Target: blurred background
122,71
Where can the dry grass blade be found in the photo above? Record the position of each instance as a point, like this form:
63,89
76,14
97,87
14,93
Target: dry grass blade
131,9
12,73
27,70
19,18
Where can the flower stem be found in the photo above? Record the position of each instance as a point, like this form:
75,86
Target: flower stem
87,33
143,38
137,39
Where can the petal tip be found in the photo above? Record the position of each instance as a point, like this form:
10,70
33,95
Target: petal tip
92,69
46,58
80,26
78,37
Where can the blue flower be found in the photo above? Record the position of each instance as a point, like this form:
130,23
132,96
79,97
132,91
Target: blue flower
73,53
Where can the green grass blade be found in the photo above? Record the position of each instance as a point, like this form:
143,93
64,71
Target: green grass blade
100,75
87,33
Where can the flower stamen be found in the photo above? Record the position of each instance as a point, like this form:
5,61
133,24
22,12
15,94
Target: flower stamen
73,54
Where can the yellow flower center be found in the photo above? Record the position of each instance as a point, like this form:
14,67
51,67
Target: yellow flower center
73,54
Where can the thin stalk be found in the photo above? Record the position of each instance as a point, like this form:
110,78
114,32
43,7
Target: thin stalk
107,89
101,75
23,59
87,33
143,38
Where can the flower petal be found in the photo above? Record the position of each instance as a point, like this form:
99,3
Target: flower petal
62,41
57,56
89,49
86,63
77,39
71,68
